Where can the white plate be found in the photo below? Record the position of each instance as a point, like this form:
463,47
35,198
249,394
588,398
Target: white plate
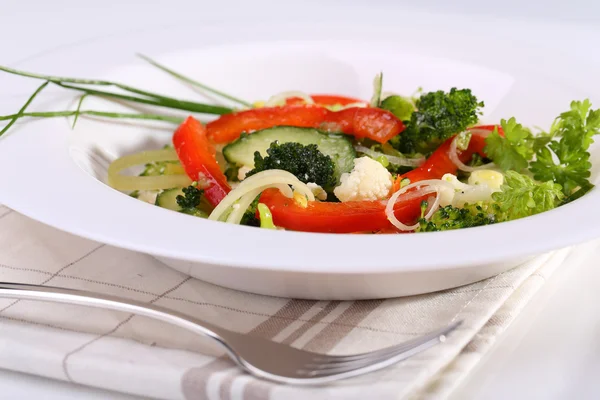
67,166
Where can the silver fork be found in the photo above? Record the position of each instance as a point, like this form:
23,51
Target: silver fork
258,356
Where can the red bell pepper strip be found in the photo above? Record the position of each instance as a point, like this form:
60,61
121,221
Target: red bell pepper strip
229,126
439,163
325,100
373,123
331,100
348,217
197,155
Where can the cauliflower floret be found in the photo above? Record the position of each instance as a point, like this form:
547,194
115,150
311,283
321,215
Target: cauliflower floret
369,180
482,184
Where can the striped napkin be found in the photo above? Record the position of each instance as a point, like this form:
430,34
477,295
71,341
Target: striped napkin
136,355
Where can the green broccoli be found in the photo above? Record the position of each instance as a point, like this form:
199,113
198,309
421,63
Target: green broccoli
307,163
439,115
231,173
190,199
249,217
449,217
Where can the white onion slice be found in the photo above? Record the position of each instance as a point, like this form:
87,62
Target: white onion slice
404,161
280,98
423,188
462,166
250,187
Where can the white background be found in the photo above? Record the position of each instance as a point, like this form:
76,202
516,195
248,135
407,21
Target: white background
552,351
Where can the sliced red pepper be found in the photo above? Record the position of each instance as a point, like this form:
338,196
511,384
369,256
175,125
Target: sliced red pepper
373,123
348,217
331,100
229,127
197,155
439,163
325,100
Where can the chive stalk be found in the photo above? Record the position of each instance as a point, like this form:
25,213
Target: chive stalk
193,82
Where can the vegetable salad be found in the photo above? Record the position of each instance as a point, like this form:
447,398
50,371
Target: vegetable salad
337,164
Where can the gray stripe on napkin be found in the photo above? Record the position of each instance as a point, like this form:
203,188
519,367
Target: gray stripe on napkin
332,305
322,342
195,381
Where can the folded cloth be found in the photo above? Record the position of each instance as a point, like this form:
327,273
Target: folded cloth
140,356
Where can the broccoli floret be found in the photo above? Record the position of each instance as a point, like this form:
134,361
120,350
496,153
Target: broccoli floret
231,173
307,163
449,217
439,115
191,198
249,217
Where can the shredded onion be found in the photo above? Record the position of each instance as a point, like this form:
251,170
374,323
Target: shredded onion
404,161
423,188
462,166
280,98
127,183
249,188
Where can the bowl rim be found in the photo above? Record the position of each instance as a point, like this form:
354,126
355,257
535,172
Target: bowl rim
205,241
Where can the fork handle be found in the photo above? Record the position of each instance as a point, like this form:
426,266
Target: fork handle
84,298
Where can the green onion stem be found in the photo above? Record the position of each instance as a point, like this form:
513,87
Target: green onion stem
50,114
78,110
22,110
155,99
193,82
164,102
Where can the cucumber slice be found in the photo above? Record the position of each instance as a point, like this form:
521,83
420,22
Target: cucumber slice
336,146
168,199
195,212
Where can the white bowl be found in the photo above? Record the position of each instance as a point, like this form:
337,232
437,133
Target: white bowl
56,175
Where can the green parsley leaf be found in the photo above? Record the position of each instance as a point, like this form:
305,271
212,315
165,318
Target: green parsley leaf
566,161
572,171
521,196
514,150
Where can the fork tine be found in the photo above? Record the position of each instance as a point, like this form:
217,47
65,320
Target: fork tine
381,357
357,364
371,365
324,360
